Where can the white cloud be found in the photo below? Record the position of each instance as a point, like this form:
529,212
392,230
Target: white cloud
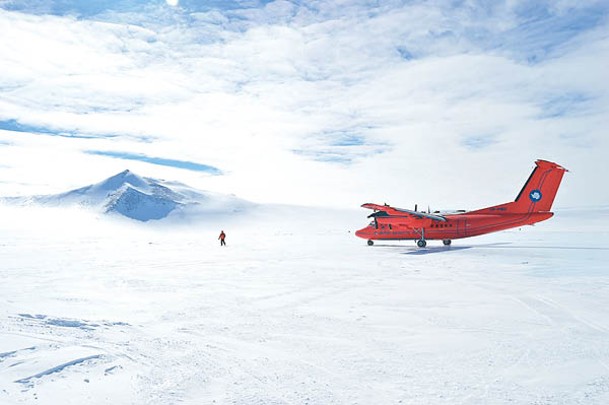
269,94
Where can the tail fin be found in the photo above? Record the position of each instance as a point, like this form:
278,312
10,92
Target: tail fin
539,191
537,194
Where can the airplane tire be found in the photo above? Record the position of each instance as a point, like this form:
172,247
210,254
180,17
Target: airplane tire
447,242
421,243
370,243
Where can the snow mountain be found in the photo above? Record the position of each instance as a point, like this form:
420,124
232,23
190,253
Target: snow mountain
140,198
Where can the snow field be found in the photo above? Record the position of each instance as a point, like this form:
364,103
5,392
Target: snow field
296,310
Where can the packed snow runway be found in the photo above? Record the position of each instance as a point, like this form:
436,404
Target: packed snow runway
300,311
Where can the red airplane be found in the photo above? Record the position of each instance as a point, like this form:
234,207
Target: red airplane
532,205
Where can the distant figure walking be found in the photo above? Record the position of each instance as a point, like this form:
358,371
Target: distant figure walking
222,237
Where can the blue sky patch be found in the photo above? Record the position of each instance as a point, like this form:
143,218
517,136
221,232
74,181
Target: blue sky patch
327,156
178,164
97,8
16,126
405,53
565,104
341,146
479,142
347,139
542,31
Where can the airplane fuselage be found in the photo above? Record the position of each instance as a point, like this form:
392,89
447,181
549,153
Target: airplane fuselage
456,226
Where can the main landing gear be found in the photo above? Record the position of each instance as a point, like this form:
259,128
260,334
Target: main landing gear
422,242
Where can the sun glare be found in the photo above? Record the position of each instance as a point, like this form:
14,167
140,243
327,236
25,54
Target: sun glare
172,2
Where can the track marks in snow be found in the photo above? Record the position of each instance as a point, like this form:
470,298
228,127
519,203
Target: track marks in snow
42,354
3,356
48,361
57,369
47,322
555,313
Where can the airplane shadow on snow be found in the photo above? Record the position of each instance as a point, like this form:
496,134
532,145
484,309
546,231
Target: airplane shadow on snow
544,247
426,250
435,249
498,245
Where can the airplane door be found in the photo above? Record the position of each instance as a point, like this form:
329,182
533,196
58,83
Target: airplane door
462,227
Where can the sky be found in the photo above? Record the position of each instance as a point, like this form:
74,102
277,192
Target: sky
445,104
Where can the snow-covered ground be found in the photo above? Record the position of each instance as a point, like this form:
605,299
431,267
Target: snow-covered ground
297,310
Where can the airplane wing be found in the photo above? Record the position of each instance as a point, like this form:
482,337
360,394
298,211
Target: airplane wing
386,210
422,214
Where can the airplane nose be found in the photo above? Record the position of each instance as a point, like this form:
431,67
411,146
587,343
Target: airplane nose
362,233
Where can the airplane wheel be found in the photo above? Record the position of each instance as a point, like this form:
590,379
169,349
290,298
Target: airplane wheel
370,243
421,243
446,242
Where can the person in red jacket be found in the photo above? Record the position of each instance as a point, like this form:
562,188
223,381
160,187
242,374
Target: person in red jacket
222,237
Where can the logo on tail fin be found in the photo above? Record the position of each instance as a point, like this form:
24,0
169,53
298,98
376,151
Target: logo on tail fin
535,195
